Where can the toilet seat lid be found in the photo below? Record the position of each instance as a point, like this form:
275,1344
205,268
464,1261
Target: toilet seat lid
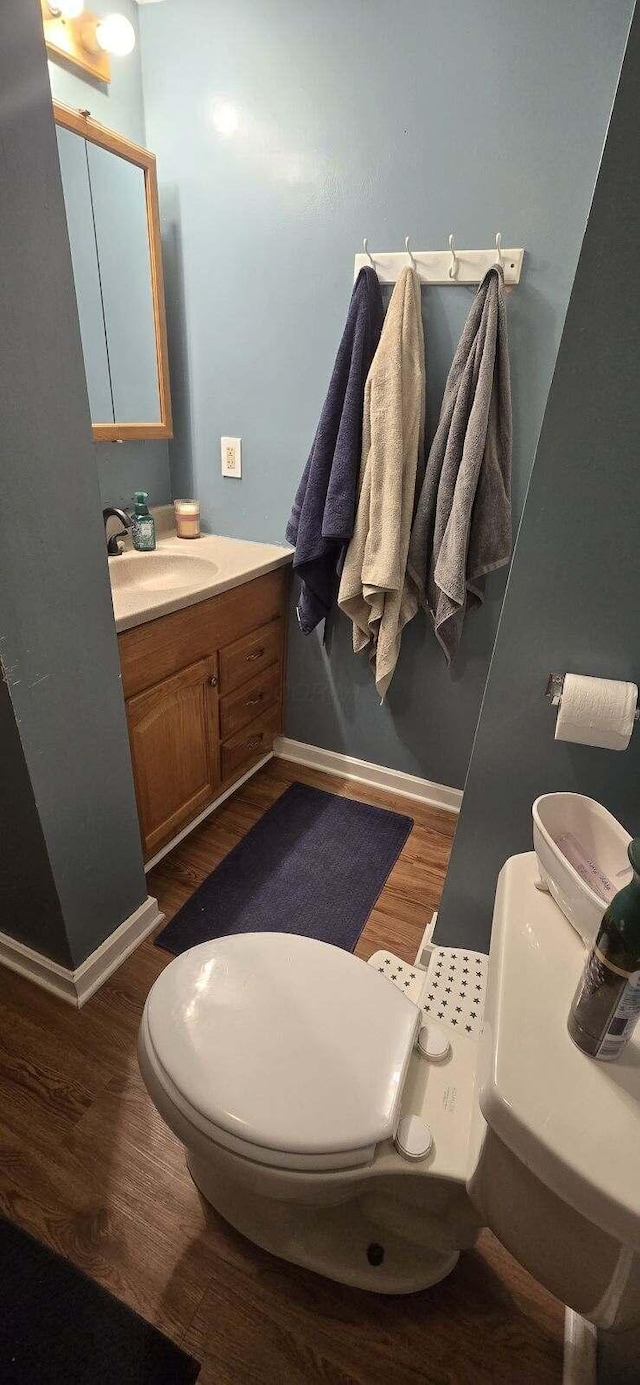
284,1042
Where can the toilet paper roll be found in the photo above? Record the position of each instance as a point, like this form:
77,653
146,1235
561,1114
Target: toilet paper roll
596,711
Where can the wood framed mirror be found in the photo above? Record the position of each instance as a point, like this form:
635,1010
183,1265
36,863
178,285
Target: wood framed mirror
111,199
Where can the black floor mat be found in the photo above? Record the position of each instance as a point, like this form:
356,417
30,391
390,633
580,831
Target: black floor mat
57,1325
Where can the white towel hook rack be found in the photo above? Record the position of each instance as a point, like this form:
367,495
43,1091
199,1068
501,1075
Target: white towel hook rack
408,250
453,267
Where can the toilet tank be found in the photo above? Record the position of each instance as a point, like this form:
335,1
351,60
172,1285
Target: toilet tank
555,1138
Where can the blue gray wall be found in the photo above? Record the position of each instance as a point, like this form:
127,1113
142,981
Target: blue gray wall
57,636
122,467
380,118
29,904
573,600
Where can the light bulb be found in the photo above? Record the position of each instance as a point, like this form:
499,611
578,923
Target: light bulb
115,34
66,9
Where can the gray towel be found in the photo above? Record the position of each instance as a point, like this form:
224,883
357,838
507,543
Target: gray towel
462,525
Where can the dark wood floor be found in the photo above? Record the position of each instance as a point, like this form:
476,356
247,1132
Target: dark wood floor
87,1165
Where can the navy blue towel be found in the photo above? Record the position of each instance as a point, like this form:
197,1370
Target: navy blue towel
323,513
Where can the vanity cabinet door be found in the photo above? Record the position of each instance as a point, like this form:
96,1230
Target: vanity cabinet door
173,731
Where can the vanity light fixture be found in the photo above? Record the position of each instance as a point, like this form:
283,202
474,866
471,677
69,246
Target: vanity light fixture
86,40
114,34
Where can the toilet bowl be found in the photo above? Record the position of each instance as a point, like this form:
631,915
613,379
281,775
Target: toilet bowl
368,1136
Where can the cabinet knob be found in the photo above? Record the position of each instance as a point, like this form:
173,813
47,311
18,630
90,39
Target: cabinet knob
253,701
257,654
254,741
213,681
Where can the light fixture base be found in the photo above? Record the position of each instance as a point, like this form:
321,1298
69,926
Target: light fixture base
63,41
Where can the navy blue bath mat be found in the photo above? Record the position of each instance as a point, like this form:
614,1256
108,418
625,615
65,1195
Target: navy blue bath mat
57,1327
314,864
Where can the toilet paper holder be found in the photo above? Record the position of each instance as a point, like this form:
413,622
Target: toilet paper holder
554,688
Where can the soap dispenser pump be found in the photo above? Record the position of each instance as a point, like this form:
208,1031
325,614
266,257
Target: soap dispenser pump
143,526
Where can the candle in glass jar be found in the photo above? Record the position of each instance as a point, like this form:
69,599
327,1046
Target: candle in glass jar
187,513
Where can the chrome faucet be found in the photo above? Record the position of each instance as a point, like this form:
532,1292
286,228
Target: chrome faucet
114,547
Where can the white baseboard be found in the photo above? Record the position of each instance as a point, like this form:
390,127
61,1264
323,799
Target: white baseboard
206,812
334,762
76,986
580,1350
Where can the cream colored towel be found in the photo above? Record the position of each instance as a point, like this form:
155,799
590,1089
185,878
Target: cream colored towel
375,592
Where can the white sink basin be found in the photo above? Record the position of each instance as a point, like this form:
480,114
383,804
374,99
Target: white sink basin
181,572
160,572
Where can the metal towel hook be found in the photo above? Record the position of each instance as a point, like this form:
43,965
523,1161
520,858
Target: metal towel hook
365,247
499,249
408,250
453,268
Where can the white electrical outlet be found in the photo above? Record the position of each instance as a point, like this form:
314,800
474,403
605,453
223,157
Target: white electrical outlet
231,456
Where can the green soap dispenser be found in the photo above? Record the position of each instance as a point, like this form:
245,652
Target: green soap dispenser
143,525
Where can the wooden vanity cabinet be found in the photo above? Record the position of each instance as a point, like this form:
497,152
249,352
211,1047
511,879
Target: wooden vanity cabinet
203,691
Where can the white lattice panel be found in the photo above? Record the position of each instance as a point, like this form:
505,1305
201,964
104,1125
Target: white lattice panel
454,991
408,979
450,993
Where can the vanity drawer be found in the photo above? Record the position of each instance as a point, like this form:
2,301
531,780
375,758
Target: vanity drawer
238,708
155,650
241,751
247,657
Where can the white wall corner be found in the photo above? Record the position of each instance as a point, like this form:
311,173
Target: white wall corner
377,776
580,1350
76,986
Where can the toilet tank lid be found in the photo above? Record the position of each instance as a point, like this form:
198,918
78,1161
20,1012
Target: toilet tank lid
283,1041
573,1121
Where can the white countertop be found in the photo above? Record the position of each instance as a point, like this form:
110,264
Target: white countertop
182,571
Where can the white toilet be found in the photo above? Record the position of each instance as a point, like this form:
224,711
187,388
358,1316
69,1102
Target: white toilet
329,1126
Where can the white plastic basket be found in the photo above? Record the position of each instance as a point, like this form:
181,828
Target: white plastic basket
582,854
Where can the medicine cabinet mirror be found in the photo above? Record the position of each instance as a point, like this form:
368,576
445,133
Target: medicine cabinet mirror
111,199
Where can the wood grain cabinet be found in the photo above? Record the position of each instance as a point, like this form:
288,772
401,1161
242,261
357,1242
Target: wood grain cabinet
174,750
203,691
